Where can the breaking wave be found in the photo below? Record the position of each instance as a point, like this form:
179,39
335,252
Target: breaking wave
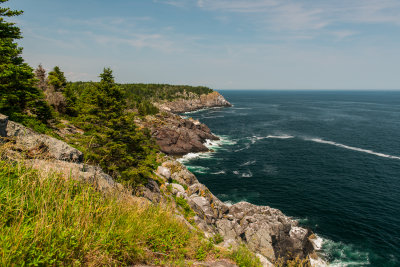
283,136
321,141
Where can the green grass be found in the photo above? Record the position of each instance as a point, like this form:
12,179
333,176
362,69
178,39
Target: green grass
244,257
53,221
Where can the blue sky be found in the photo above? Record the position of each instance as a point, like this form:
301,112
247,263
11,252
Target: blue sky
237,44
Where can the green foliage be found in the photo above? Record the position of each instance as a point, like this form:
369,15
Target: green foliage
187,210
245,258
218,238
141,96
19,97
111,138
57,79
53,221
156,92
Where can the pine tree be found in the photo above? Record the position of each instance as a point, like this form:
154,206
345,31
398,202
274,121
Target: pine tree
19,97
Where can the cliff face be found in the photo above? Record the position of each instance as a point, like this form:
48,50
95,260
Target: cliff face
192,102
175,135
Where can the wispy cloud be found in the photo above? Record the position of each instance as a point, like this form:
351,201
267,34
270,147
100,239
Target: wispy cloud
304,15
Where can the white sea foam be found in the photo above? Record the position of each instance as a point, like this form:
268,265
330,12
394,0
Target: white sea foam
247,163
318,140
190,156
219,172
283,136
198,169
247,175
348,254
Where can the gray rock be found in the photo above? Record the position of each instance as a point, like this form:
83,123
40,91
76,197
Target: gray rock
177,188
202,207
3,125
78,171
226,229
53,147
164,172
192,102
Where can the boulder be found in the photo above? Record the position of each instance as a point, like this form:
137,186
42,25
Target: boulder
164,171
52,147
78,171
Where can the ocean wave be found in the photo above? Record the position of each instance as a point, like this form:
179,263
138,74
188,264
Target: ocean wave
340,254
247,163
333,253
283,136
247,175
190,156
219,172
321,141
243,174
198,169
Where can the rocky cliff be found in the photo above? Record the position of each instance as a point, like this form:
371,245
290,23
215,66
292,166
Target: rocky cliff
265,230
176,135
192,102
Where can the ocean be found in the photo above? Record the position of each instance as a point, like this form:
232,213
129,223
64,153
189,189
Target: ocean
330,159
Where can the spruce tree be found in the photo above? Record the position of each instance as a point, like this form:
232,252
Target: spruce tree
19,97
121,149
57,79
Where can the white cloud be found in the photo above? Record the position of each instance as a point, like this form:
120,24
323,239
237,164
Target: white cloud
293,15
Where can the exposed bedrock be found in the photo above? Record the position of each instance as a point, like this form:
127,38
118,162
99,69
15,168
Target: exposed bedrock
176,135
39,145
266,231
193,102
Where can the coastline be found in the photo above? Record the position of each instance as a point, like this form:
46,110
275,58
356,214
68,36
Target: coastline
271,235
233,228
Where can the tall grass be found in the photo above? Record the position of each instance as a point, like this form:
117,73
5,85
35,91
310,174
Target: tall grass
55,221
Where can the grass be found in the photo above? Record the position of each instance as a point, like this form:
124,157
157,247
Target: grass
244,257
55,221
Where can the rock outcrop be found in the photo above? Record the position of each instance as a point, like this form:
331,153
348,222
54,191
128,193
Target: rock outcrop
78,171
192,102
176,135
39,145
265,230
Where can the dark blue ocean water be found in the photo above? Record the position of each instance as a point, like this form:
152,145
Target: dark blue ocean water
329,158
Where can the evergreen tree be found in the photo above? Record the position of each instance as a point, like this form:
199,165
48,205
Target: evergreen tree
125,152
57,79
18,94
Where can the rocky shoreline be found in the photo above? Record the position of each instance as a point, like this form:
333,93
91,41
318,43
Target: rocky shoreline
266,231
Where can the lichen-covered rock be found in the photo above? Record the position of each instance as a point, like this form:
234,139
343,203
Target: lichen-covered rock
53,148
164,171
78,171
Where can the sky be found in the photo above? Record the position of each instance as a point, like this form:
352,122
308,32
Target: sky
237,44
